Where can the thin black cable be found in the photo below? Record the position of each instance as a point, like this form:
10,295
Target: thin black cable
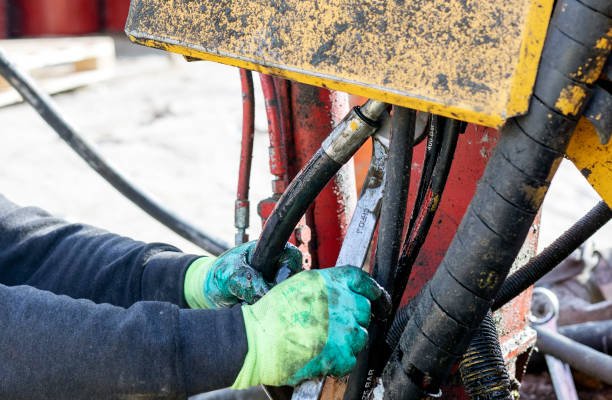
45,107
415,238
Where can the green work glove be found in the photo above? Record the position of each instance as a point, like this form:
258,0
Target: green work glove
310,325
212,282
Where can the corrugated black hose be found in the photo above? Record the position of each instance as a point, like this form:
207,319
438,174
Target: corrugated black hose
500,215
47,110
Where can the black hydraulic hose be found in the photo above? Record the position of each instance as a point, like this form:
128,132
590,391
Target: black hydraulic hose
425,215
552,255
46,108
390,227
290,207
338,148
431,156
482,368
501,212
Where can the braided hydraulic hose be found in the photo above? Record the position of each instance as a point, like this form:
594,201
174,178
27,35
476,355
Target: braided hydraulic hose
552,255
241,207
508,197
425,210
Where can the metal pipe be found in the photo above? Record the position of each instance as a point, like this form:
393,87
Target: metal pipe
46,108
277,151
581,357
596,334
241,209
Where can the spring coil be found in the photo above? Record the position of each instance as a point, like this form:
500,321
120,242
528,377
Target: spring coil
482,368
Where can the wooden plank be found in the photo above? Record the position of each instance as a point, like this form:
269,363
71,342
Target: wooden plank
59,64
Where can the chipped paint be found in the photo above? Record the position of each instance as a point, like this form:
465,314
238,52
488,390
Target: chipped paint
592,158
570,100
468,59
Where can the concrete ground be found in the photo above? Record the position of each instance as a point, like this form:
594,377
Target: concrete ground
174,128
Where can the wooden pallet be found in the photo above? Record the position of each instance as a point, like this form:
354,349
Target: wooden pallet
59,64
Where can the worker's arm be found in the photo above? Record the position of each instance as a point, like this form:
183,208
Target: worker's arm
81,261
53,346
56,347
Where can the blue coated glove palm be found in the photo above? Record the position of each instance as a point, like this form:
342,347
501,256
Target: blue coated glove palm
311,325
229,279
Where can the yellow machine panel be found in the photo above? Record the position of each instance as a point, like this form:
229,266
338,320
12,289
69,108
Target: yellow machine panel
592,158
474,60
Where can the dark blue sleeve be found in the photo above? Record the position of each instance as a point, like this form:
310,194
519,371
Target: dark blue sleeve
56,347
81,261
63,345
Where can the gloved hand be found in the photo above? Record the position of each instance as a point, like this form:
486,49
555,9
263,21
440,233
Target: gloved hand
212,282
310,325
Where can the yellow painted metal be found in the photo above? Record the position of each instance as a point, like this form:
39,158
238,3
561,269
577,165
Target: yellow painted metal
592,158
474,60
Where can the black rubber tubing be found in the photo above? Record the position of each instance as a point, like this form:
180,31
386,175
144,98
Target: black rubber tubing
290,207
46,108
552,255
390,228
414,242
308,183
489,237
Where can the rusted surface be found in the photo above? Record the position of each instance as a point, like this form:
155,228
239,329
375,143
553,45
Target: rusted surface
471,59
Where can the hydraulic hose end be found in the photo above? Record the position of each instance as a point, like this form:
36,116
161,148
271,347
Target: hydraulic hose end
353,131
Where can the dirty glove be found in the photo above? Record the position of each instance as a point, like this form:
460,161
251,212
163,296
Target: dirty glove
212,282
312,324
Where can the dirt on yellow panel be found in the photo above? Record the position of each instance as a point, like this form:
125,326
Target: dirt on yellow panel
470,59
593,159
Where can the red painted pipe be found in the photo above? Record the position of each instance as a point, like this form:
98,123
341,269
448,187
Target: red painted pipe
241,210
248,130
312,111
278,151
58,17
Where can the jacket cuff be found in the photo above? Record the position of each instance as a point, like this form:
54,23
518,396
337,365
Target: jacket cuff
214,345
163,277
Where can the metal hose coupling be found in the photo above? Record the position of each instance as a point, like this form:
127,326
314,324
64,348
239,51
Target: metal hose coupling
344,140
353,131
